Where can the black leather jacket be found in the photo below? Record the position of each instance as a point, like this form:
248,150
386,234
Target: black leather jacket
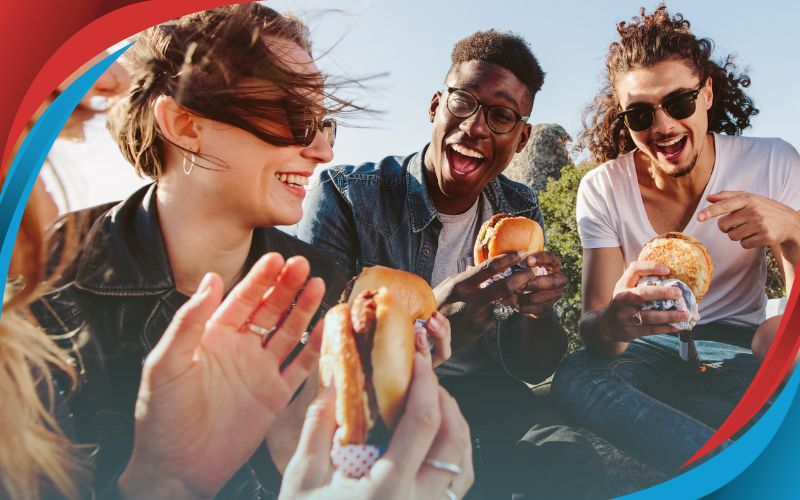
110,307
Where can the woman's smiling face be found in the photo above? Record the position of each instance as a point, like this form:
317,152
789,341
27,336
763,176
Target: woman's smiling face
261,184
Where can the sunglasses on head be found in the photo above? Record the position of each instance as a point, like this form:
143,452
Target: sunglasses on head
640,117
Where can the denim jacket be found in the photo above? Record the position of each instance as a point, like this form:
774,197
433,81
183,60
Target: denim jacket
382,214
111,305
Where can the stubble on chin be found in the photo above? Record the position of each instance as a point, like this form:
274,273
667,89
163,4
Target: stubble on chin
684,170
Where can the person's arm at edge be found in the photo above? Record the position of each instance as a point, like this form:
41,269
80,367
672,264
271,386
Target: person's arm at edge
602,267
534,351
533,347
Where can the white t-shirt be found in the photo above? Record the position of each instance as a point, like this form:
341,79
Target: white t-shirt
454,255
611,214
456,240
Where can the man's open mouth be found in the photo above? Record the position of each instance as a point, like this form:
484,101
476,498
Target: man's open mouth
671,148
464,160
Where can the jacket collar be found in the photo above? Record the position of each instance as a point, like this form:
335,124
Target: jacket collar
124,252
504,195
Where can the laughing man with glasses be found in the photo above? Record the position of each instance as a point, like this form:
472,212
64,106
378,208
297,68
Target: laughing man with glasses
667,128
422,213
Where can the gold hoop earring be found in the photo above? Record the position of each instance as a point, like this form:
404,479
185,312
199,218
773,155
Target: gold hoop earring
188,170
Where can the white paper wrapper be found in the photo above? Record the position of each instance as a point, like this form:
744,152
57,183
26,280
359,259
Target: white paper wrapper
686,303
353,460
537,271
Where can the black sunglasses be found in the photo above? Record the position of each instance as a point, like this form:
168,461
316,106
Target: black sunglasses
305,131
679,106
500,119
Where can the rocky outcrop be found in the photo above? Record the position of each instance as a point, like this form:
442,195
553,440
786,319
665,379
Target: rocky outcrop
543,157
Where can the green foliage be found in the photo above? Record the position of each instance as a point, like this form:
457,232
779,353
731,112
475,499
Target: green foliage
558,207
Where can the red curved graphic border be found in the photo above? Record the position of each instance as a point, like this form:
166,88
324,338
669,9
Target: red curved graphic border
44,42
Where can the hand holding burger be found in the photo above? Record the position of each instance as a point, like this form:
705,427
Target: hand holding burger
656,292
503,234
690,271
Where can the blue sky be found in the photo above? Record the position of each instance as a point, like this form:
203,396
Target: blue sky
411,42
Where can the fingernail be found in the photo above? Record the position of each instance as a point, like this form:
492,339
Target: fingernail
664,269
423,341
205,285
434,323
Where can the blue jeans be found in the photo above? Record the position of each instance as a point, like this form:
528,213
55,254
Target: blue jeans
651,403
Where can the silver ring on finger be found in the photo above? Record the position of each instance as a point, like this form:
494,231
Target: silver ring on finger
264,333
502,312
636,319
449,495
443,466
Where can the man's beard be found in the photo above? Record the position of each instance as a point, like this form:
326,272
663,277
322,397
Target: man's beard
685,170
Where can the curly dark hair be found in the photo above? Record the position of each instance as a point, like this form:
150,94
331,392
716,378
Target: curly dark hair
504,49
221,64
645,42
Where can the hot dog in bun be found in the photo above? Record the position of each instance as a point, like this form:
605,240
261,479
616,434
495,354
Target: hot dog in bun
504,233
367,352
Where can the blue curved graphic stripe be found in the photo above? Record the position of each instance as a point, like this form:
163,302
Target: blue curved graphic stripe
723,468
30,157
774,472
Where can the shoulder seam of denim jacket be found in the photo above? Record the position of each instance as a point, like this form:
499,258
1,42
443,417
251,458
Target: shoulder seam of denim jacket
522,190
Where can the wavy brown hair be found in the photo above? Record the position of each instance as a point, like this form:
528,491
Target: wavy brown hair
644,42
219,64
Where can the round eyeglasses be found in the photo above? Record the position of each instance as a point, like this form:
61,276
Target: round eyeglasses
500,119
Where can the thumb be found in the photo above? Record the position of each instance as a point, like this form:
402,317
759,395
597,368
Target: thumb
188,325
310,466
317,436
421,344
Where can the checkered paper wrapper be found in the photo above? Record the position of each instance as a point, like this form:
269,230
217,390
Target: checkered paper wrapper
685,303
353,460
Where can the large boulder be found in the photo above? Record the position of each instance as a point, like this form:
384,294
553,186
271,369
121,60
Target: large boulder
543,157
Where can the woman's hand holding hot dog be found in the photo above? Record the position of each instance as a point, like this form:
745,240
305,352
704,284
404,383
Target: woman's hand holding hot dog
431,428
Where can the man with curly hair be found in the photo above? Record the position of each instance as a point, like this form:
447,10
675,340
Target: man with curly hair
422,213
667,125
